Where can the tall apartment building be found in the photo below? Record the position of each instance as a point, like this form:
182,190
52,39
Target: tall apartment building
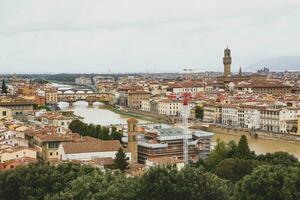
145,105
251,117
169,107
212,113
230,115
135,98
269,120
288,119
51,96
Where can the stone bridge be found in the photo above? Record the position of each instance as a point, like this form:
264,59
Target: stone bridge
75,91
91,98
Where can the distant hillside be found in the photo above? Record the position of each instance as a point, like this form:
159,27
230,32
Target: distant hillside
278,64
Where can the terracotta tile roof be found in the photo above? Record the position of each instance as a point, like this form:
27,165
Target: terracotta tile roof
139,92
264,84
55,138
130,87
91,146
186,85
165,160
20,160
16,149
104,161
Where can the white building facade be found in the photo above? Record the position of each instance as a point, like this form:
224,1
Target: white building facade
169,107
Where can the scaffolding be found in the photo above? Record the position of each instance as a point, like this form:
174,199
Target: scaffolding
185,112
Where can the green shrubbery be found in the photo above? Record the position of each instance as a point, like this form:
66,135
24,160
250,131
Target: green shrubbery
96,131
232,172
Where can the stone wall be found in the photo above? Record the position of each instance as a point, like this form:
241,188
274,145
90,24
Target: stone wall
256,134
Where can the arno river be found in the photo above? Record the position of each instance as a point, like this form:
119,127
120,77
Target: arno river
98,115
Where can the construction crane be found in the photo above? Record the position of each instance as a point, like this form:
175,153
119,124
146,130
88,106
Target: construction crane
185,112
188,74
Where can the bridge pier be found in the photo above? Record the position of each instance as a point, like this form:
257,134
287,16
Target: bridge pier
91,103
71,103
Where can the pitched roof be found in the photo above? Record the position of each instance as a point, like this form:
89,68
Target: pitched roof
165,160
91,146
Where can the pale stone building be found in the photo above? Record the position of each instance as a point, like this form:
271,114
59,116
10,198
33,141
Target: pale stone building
5,113
145,105
135,98
169,107
12,153
212,113
230,115
89,150
51,96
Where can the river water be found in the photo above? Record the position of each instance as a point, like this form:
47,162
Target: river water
98,115
261,146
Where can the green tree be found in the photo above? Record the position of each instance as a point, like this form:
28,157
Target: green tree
99,186
196,184
36,107
242,149
190,183
234,169
96,131
4,87
219,153
269,182
121,160
279,158
232,148
199,112
115,135
38,180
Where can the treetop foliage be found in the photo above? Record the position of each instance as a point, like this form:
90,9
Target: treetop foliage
231,172
96,131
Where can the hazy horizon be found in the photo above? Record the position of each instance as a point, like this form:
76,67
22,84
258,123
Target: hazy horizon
76,36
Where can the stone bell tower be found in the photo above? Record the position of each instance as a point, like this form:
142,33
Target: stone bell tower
227,62
132,139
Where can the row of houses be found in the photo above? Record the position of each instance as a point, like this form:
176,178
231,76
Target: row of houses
266,117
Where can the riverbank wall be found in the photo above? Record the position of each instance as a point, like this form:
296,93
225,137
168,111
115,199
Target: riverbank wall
256,134
137,114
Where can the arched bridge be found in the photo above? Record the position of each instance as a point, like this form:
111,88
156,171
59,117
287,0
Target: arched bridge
91,98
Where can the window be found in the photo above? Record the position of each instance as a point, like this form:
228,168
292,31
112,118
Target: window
53,145
51,153
3,113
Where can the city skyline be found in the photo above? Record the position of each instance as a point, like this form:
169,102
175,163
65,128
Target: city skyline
141,36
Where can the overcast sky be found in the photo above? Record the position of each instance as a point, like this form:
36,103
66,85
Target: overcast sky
143,35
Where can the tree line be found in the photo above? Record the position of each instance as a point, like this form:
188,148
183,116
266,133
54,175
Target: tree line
96,131
231,172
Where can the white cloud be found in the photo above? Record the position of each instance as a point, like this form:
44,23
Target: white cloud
138,35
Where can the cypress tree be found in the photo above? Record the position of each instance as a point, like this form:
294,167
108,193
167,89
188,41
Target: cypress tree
242,149
121,160
4,87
